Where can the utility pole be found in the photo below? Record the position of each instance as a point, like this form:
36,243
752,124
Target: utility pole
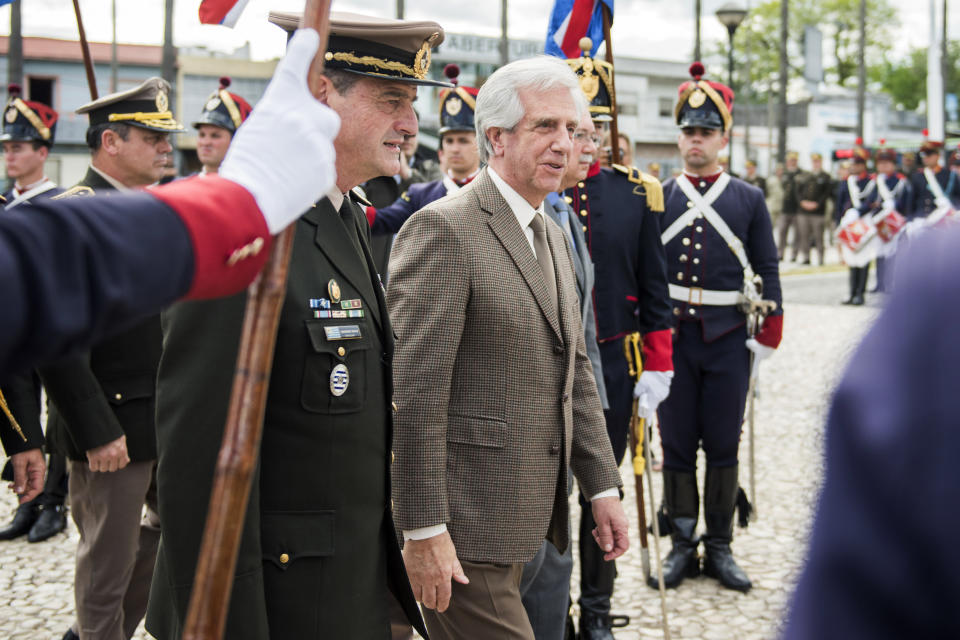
169,63
862,69
782,138
399,9
113,47
935,119
15,55
745,89
504,41
696,30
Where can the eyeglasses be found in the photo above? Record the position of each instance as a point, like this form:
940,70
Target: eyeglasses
580,136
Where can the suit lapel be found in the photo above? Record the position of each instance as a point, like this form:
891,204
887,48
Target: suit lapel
332,239
504,225
557,240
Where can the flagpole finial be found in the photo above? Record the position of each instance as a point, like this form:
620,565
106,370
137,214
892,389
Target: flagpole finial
586,45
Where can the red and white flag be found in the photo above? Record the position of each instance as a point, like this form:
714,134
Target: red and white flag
225,12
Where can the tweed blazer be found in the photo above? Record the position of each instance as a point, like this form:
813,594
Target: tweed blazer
494,394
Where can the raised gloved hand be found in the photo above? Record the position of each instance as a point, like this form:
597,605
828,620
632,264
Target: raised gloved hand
651,389
760,353
283,153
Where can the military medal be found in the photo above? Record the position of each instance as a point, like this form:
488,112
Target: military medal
351,304
339,380
333,289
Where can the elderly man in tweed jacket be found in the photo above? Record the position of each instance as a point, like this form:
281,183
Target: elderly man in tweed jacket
494,393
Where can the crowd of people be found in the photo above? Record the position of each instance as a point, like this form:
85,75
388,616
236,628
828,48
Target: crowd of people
450,353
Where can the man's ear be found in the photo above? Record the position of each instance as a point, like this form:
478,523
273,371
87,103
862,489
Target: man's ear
324,88
109,141
495,136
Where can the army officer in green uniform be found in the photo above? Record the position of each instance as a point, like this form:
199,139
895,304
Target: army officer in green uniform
318,558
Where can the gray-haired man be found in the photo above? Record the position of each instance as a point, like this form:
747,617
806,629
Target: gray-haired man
486,427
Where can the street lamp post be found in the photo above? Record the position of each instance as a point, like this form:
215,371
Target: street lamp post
731,15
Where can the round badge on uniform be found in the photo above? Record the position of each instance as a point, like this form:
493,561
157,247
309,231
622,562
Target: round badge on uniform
453,106
212,103
333,289
339,380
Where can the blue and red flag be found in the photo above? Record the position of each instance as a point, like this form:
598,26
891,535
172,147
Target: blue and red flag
570,21
225,12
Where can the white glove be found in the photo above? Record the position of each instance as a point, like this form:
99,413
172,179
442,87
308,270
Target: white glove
849,216
651,389
283,153
760,353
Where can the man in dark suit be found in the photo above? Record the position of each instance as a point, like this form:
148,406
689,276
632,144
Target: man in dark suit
319,552
718,240
29,129
102,402
489,423
883,562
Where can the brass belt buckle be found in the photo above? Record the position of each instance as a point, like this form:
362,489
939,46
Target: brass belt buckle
699,295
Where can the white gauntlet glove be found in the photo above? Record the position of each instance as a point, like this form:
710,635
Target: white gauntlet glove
651,389
760,353
283,153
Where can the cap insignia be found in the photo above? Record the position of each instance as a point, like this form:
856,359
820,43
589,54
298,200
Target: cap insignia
697,98
12,115
162,101
453,105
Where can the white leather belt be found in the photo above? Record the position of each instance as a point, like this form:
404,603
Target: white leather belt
698,296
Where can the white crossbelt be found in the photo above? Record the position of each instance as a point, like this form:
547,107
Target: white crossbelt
856,195
703,204
709,297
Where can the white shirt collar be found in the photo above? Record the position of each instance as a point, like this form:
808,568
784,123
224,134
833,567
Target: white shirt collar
520,207
335,196
116,184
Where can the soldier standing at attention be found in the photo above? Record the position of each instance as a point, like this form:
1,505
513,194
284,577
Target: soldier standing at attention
318,557
854,193
29,129
619,210
717,235
813,191
221,115
933,182
754,178
790,207
102,402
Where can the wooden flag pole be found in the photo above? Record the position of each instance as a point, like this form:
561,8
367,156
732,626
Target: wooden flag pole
85,49
614,131
213,582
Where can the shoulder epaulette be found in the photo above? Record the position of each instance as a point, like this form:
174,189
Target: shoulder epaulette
78,190
651,186
405,196
360,196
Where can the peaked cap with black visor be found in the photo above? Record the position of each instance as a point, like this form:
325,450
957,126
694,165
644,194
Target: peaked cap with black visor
27,121
397,50
704,103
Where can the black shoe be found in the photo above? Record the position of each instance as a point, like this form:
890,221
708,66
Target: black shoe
593,627
52,520
719,563
70,635
856,301
720,498
23,519
682,562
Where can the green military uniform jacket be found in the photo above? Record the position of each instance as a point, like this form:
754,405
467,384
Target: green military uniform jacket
107,392
816,186
318,550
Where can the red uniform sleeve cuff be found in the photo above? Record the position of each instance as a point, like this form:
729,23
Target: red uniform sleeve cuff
229,235
771,332
658,351
371,215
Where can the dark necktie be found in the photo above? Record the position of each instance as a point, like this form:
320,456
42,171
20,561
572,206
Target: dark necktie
544,259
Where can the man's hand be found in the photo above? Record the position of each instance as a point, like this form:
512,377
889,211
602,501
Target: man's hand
611,530
29,468
109,457
651,389
405,170
808,205
431,563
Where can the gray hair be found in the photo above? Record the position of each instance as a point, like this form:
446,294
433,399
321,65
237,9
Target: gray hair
498,102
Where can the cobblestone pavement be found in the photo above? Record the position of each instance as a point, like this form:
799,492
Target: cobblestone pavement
36,591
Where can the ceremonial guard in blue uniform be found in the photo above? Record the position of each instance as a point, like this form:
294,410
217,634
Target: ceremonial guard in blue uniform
29,129
222,113
893,194
718,239
934,186
458,153
852,202
619,210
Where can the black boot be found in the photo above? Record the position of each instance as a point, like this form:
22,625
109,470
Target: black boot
683,509
719,499
854,279
52,520
23,518
863,273
596,583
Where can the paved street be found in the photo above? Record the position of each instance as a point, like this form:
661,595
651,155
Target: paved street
36,579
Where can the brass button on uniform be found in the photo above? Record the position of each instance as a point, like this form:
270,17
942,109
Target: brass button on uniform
676,311
689,204
580,184
692,312
584,228
679,275
696,261
568,199
583,196
583,212
684,258
686,242
699,229
694,278
284,558
698,246
118,396
341,351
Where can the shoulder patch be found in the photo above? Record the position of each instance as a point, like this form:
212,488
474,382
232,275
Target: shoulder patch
360,196
78,190
648,186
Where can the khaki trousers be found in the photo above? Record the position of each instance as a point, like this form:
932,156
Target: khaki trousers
809,228
489,607
117,549
784,222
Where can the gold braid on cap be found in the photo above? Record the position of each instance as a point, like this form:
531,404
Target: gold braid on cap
37,123
704,86
421,62
231,107
158,119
